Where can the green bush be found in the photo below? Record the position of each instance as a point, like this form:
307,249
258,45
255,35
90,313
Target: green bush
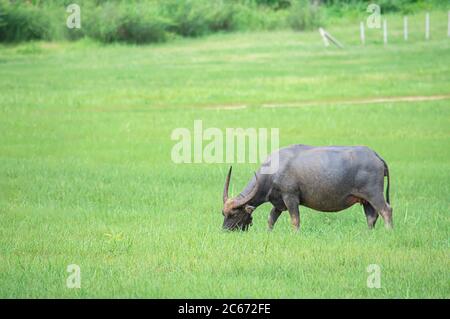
147,21
2,14
192,18
222,17
276,4
189,18
304,15
137,23
23,22
249,17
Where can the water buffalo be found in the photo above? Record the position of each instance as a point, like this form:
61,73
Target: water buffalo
325,178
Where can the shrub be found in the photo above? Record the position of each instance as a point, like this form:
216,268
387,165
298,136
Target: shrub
146,21
222,17
262,18
2,14
23,22
189,18
276,4
134,23
304,15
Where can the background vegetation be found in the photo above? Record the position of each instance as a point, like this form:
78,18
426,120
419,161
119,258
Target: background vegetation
86,176
147,21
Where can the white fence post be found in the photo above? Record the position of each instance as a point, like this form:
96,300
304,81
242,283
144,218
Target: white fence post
405,28
363,37
385,36
427,26
448,27
324,37
327,38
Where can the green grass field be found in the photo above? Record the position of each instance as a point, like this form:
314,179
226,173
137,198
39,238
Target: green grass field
86,175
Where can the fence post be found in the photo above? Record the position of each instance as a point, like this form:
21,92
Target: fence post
363,37
324,37
448,27
405,28
385,36
327,38
427,26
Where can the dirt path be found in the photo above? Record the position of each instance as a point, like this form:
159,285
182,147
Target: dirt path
393,99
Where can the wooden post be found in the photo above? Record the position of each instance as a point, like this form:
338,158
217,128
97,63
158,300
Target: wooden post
427,26
385,35
405,28
361,29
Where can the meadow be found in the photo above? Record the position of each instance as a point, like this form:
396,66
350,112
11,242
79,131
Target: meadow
86,175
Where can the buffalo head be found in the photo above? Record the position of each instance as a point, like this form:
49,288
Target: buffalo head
236,211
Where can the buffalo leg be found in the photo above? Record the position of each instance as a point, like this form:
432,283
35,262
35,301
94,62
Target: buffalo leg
292,202
386,213
273,216
383,208
371,215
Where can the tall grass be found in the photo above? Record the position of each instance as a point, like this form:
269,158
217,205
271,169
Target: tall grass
147,21
86,175
23,22
303,15
139,23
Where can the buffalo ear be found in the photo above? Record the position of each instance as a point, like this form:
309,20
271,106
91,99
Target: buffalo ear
249,209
